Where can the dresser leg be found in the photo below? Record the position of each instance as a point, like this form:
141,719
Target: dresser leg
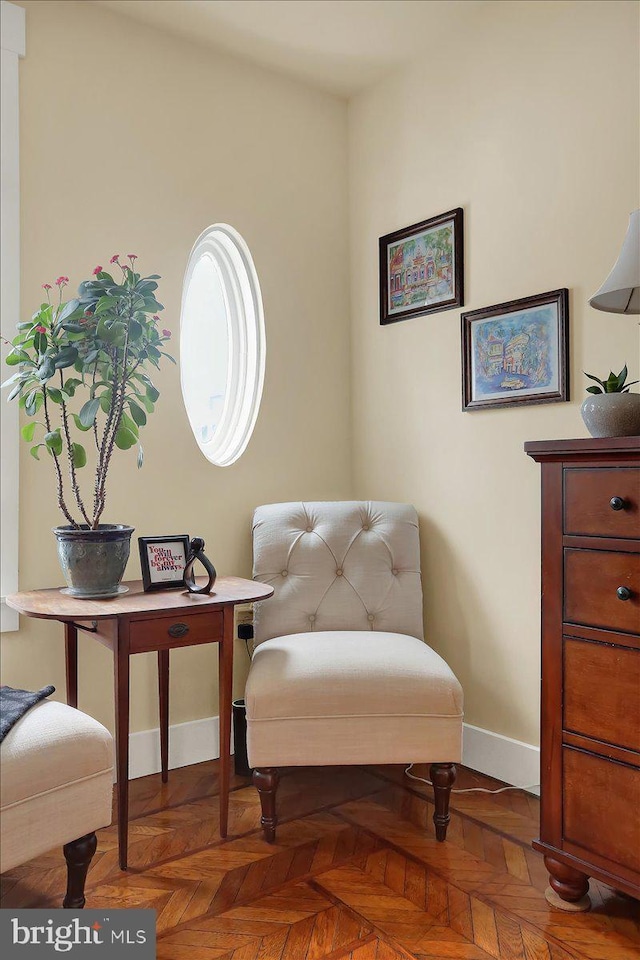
568,887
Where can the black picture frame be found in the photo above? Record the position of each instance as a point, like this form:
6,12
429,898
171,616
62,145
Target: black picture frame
431,274
154,578
510,349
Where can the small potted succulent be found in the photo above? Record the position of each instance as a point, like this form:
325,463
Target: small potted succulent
82,372
611,410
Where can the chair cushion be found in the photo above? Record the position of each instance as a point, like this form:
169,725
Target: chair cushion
52,745
337,565
56,784
351,697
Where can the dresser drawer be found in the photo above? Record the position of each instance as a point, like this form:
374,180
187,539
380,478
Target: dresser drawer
602,692
603,502
591,582
601,799
179,631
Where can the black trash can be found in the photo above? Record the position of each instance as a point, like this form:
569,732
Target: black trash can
241,764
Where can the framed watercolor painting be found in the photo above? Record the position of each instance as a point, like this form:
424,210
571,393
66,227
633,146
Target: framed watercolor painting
516,352
162,561
421,268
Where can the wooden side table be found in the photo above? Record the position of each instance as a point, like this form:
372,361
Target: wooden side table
139,622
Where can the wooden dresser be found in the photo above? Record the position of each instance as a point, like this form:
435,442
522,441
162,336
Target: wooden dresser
590,723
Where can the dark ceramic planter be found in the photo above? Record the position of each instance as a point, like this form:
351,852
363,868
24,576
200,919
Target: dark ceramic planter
93,561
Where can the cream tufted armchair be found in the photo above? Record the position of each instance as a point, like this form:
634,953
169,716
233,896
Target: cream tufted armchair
340,672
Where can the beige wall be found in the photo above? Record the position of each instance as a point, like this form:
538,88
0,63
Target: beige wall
529,121
133,140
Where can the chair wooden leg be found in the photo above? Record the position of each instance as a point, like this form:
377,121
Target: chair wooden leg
442,776
265,780
78,855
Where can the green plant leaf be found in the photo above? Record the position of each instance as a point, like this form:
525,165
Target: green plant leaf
125,438
594,390
71,385
591,377
152,393
34,451
65,358
69,310
15,392
79,455
53,441
28,431
89,412
79,424
137,413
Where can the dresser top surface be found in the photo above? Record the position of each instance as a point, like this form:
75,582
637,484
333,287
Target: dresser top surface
587,447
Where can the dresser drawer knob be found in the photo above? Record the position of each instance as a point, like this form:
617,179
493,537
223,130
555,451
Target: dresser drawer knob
623,593
617,503
181,629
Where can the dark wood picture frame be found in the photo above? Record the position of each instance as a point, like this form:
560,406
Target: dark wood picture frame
509,359
147,575
423,280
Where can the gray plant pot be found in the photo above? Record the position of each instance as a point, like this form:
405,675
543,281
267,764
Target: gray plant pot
612,414
93,561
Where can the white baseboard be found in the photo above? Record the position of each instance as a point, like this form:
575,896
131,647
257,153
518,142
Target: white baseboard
501,757
198,740
191,742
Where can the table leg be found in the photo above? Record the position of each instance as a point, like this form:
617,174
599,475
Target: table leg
163,690
121,674
71,662
225,695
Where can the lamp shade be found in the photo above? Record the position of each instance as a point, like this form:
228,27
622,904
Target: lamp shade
620,293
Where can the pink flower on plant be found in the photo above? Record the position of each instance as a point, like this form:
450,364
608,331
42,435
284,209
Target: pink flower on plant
41,329
97,271
114,258
62,281
46,286
132,256
166,333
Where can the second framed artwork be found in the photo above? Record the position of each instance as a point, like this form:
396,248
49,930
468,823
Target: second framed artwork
516,352
162,561
421,268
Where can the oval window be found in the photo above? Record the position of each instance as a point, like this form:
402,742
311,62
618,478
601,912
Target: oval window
222,344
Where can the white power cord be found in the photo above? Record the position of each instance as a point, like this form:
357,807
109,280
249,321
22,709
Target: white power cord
412,776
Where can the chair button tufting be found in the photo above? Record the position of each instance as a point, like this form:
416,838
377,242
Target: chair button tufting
284,573
338,572
309,529
365,526
370,618
312,618
395,572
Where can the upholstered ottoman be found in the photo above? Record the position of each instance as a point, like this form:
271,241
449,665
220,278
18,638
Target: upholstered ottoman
56,785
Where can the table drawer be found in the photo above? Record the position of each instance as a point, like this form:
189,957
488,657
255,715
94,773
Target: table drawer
601,799
591,582
601,686
179,631
588,498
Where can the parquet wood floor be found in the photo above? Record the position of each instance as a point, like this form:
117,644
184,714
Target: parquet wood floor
356,874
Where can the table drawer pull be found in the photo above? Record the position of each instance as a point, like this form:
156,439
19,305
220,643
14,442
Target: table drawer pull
617,503
623,593
178,630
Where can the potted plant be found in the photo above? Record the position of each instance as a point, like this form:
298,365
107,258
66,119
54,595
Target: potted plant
83,372
611,410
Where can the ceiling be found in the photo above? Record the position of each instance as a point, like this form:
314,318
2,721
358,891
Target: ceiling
341,46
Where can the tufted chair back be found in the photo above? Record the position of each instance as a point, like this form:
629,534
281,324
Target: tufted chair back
343,565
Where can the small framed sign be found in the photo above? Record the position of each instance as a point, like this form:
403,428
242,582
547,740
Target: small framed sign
162,560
